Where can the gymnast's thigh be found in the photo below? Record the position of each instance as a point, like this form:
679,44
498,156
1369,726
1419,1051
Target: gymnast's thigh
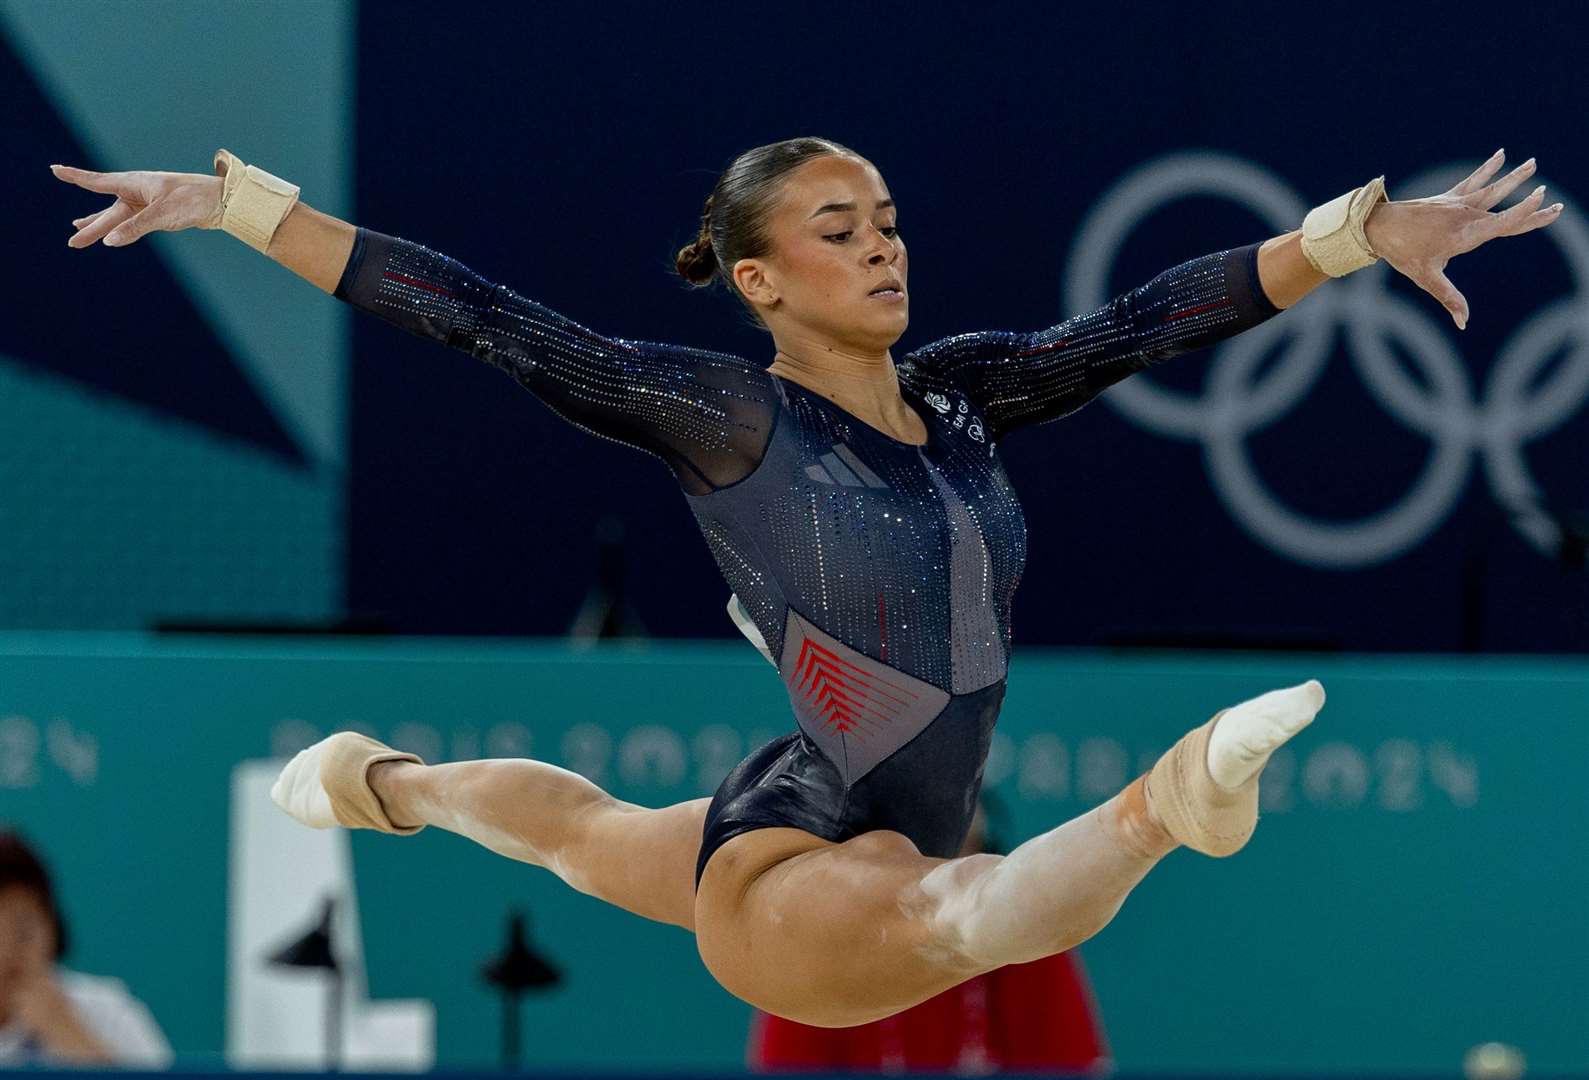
825,933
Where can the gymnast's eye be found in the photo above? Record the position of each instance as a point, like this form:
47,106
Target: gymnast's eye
890,231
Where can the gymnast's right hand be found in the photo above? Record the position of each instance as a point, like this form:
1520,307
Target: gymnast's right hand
145,202
328,784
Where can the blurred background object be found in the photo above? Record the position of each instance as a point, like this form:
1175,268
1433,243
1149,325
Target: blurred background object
50,1015
518,970
1494,1061
606,612
313,951
515,971
295,969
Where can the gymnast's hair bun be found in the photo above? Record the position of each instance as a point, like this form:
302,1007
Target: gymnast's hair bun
697,262
735,222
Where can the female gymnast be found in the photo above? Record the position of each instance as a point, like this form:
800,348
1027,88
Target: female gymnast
858,510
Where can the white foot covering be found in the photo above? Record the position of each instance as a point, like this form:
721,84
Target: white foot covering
299,792
1204,790
326,784
1248,733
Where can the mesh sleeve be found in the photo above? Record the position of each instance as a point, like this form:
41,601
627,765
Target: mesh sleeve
708,415
1016,379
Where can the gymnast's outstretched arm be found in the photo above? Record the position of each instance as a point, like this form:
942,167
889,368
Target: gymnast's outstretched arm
706,414
1019,379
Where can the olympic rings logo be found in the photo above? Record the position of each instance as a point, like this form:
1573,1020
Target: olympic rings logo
1234,405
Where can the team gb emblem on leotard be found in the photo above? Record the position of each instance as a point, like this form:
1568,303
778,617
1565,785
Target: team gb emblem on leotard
937,401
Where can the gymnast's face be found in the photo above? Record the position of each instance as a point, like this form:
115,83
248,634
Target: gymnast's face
834,243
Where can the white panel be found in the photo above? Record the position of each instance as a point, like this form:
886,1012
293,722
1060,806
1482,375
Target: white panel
281,873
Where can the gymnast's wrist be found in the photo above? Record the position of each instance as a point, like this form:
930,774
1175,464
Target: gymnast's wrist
1334,234
1380,227
253,202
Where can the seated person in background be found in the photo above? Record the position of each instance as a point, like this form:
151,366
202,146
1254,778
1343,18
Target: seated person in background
49,1015
1020,1018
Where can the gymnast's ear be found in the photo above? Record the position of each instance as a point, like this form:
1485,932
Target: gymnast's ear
753,279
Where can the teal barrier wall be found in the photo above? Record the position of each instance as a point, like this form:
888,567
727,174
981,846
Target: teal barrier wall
1420,881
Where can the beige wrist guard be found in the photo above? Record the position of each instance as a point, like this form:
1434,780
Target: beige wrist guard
253,202
1333,239
344,773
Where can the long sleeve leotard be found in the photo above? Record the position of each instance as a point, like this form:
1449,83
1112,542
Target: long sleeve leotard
878,573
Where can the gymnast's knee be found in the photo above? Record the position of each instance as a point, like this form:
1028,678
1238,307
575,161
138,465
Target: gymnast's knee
975,918
946,903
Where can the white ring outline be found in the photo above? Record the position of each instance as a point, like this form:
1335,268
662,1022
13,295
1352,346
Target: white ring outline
1230,408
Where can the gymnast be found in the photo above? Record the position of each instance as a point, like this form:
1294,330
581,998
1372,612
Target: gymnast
858,510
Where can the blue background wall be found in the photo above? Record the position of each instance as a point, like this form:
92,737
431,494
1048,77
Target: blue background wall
565,150
568,156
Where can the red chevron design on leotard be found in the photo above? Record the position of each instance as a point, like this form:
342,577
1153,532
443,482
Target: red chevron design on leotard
844,697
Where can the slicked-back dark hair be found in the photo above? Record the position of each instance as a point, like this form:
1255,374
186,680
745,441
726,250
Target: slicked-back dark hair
21,868
734,219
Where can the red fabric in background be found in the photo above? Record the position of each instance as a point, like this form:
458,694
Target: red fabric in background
1024,1017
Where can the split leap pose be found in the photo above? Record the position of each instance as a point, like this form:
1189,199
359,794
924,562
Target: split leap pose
859,512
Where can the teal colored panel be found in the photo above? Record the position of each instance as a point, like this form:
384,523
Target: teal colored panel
114,517
1419,882
162,85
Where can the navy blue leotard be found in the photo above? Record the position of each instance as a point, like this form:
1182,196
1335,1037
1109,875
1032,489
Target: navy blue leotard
877,573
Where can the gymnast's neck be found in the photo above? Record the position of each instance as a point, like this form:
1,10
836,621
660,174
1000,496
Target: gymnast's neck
862,381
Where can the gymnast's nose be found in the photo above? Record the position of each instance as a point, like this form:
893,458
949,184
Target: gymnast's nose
882,250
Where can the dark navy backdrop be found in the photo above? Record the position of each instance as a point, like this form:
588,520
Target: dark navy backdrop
565,151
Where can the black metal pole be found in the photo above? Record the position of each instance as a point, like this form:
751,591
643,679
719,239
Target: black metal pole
510,1030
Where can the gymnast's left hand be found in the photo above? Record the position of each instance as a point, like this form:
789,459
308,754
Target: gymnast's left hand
1419,236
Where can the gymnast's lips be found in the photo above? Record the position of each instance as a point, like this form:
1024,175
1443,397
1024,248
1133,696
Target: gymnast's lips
897,294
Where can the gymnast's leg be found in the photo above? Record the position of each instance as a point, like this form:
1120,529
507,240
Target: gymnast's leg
840,934
639,859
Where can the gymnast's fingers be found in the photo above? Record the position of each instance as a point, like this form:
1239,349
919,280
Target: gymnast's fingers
115,183
1434,282
100,224
1478,176
155,217
1537,220
78,223
1490,194
1526,215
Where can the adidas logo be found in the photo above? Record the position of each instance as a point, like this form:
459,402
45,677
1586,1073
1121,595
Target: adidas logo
843,468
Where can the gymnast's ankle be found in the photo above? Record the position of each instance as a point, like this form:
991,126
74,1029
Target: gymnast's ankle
1138,827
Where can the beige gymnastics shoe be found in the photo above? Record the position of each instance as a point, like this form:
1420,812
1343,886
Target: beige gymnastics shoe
327,784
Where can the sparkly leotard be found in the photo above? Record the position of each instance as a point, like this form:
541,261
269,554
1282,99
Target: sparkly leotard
877,573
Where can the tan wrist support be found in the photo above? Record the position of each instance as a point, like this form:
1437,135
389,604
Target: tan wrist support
253,202
344,773
1333,239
